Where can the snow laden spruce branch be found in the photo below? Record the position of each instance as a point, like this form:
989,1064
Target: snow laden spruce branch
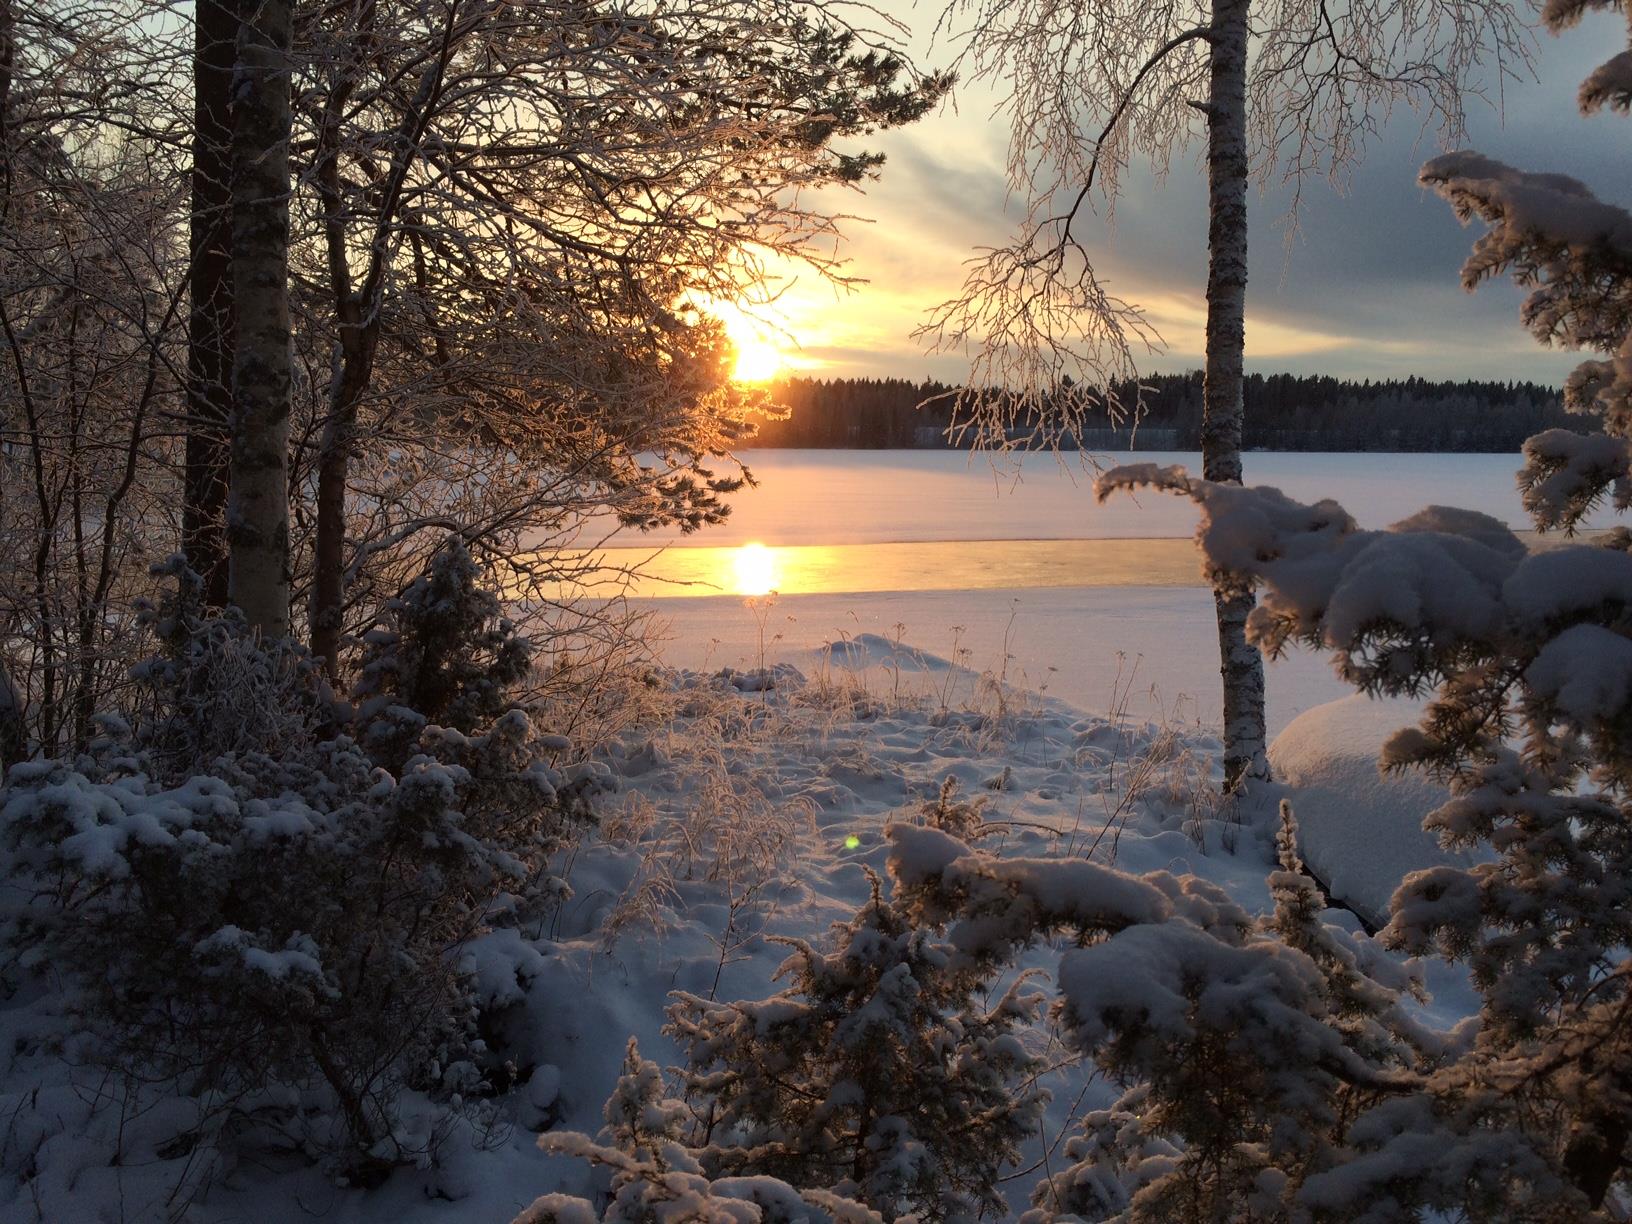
1262,1059
1574,253
888,1081
1284,89
1527,658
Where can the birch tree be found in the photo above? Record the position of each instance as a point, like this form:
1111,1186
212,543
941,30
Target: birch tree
1285,90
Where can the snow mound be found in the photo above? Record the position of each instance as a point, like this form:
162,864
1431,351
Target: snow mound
1361,830
865,650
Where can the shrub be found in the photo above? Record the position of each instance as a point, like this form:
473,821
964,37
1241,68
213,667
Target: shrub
264,916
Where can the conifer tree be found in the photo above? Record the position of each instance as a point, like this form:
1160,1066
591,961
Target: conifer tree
1245,1048
446,656
874,1074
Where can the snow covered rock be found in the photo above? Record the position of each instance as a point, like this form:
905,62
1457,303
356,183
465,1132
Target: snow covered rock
1361,829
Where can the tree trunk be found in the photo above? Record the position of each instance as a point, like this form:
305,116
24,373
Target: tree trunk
1241,665
13,729
8,59
258,498
209,322
1597,1152
328,604
357,316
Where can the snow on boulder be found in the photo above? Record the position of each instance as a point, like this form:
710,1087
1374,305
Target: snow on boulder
1360,829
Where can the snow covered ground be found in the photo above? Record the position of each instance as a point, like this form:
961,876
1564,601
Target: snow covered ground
742,814
746,814
1149,650
1361,829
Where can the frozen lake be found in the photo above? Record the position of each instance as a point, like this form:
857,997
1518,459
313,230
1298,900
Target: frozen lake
857,497
1016,572
835,522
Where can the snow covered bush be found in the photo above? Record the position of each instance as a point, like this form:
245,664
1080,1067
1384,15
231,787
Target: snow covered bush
243,904
214,689
1112,1158
1246,1046
657,1179
875,1074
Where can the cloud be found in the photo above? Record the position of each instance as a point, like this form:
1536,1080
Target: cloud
1368,287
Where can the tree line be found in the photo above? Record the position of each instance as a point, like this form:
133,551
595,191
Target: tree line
1284,412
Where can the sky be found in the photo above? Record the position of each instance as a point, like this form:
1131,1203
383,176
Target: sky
1369,288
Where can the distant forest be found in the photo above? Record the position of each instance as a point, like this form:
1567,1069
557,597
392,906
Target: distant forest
1284,412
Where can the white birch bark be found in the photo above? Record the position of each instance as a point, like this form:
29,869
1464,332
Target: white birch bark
1240,664
258,501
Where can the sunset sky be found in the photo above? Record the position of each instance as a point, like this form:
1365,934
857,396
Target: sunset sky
1369,290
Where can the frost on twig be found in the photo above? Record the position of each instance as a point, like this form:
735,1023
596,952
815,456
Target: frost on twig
1051,348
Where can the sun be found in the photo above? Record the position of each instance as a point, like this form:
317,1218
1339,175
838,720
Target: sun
756,361
759,358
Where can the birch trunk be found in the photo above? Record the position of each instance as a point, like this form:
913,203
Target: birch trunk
1242,667
258,498
209,321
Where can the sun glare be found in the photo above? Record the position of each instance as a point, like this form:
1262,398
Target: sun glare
755,569
756,361
759,358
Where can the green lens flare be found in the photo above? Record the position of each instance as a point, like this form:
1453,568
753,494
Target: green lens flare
851,842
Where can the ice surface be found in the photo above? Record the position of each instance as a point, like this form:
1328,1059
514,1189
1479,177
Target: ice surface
1095,647
853,497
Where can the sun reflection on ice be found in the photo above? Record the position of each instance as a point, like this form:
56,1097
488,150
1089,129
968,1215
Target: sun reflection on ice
755,570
